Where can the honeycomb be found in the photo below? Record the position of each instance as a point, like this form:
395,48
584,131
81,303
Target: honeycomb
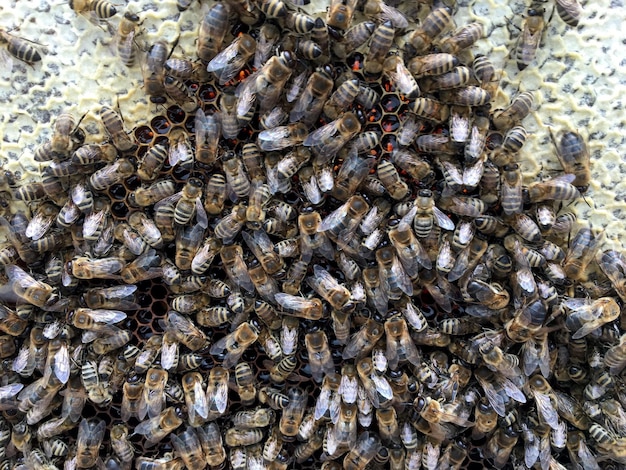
409,381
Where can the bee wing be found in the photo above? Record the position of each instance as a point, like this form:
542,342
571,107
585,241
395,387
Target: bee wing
62,367
145,427
495,399
92,222
179,152
273,139
9,391
169,354
224,58
155,401
348,389
322,404
23,361
220,399
246,93
301,107
442,219
291,302
587,328
220,345
547,411
382,386
201,216
355,345
473,174
402,78
320,135
38,226
6,62
392,14
201,403
335,408
333,218
173,199
403,279
122,296
108,317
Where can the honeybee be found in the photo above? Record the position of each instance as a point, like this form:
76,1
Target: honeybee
211,442
195,398
557,189
363,451
208,130
88,442
570,11
211,33
188,446
235,344
390,178
320,359
299,306
486,419
500,445
28,289
185,331
153,71
400,346
155,429
584,316
19,48
613,265
281,137
579,452
400,77
120,443
310,103
432,26
157,191
486,74
379,45
270,81
528,42
498,389
574,157
512,202
526,321
545,400
462,38
377,387
190,203
518,109
126,48
339,14
227,63
342,98
294,412
64,126
330,289
326,141
581,252
131,397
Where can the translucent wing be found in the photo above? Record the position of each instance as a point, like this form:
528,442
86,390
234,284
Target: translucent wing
547,410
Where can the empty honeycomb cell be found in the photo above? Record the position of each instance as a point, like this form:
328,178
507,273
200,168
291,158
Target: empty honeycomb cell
158,292
159,308
117,192
160,125
119,210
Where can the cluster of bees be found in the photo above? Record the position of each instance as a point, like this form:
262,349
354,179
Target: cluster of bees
322,255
